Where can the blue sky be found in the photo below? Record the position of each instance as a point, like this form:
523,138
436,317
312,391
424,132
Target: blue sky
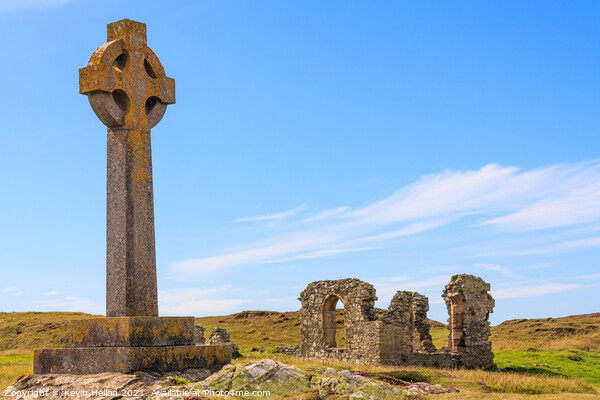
399,143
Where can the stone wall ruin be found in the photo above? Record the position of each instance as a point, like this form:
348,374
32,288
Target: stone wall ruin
399,336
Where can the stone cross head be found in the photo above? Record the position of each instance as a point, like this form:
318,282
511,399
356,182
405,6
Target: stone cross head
124,80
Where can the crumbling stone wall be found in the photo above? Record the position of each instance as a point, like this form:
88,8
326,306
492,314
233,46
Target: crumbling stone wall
408,311
317,316
469,306
221,336
217,336
401,335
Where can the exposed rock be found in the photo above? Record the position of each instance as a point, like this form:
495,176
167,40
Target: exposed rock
265,375
107,385
353,385
269,375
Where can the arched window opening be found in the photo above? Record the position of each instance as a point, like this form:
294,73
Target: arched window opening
457,310
333,318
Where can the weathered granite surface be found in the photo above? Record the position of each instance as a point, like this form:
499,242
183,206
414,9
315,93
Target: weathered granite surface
129,91
269,377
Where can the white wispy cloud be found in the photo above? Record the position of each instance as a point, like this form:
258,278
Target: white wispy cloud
12,5
581,205
326,214
411,229
11,291
493,267
274,217
558,247
185,294
69,303
319,254
533,290
51,293
204,307
589,277
198,301
538,266
557,196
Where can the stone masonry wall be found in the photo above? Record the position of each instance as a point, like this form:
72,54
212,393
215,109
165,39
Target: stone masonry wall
469,306
221,336
317,316
401,335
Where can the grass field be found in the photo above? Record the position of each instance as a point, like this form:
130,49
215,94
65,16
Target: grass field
553,358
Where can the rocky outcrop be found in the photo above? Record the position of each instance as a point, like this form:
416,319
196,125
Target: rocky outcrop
264,375
105,386
354,385
267,376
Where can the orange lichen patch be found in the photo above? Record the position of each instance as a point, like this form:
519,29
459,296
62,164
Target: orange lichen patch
125,81
138,147
111,327
133,331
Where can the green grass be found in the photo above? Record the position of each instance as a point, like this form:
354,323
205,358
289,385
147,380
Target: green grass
14,365
259,329
31,330
552,357
473,384
177,380
572,363
269,329
576,332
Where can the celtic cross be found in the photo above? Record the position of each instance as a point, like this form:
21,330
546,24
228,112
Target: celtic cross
129,91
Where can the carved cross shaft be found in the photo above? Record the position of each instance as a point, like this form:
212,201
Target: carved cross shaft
129,91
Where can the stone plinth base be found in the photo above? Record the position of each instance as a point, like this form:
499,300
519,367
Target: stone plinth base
92,360
127,344
133,332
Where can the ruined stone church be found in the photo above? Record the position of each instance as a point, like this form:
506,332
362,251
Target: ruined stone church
400,336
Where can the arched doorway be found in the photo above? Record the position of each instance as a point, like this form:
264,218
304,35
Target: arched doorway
332,317
457,310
